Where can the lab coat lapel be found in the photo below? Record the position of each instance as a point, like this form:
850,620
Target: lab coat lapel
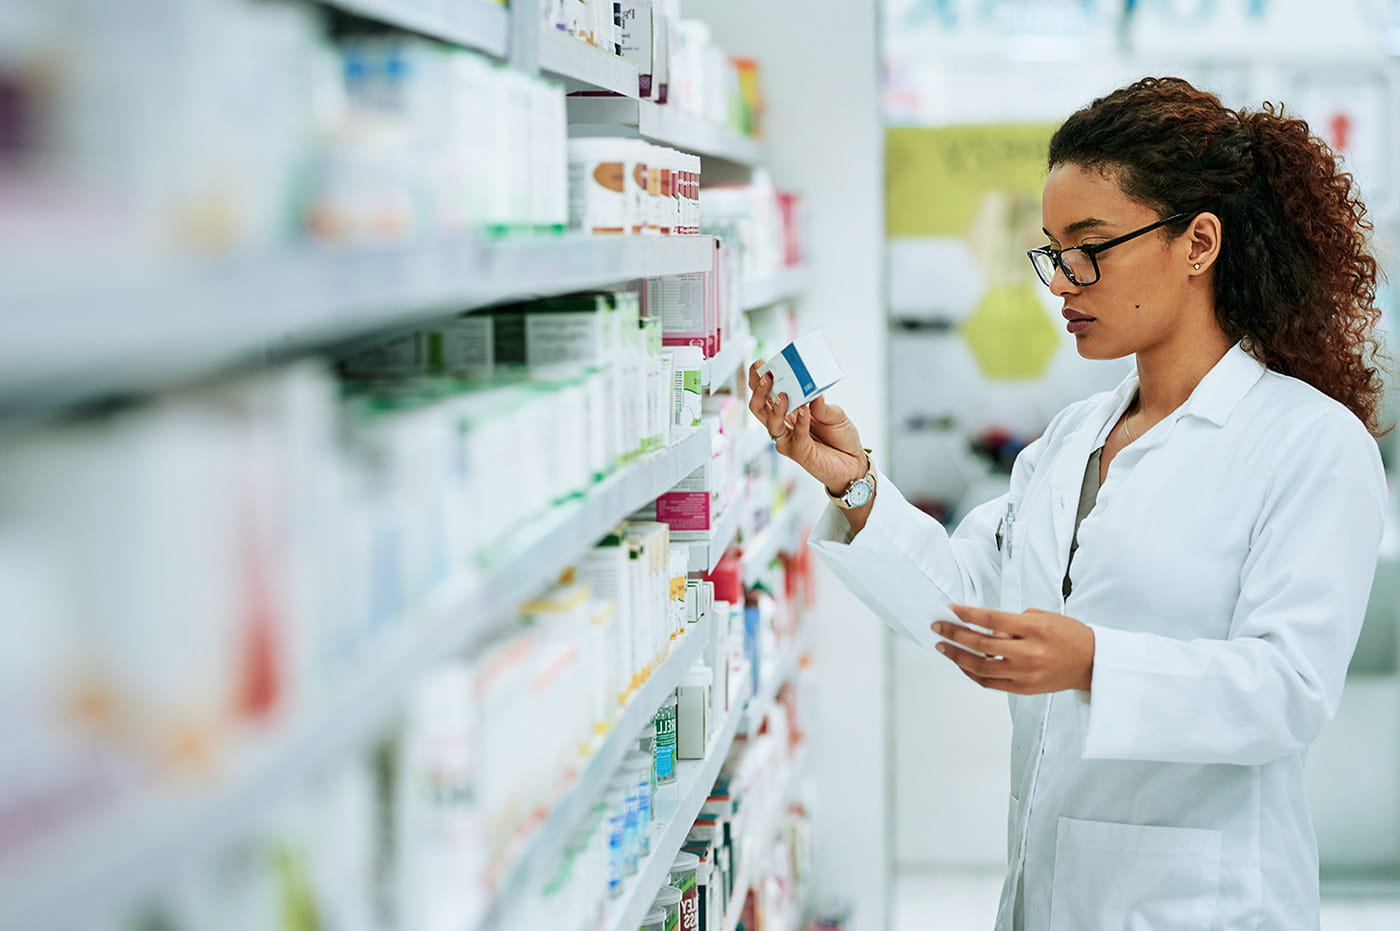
1067,479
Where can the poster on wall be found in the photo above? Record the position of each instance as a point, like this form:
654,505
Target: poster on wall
978,349
962,208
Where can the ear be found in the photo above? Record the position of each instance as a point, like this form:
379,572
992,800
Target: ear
1202,243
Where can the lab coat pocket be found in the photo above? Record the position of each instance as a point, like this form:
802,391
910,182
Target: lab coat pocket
1129,877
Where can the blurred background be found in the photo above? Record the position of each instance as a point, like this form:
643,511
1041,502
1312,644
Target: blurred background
384,542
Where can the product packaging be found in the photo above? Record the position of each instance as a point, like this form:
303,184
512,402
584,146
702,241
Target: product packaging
693,713
803,369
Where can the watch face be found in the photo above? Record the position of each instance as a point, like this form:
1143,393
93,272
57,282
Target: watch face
859,493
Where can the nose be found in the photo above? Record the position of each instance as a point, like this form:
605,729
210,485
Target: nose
1060,285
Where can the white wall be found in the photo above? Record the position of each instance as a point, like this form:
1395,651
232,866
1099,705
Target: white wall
820,78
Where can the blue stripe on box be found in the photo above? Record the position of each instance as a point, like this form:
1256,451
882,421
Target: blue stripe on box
799,370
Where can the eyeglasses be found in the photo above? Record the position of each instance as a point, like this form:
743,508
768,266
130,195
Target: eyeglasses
1081,263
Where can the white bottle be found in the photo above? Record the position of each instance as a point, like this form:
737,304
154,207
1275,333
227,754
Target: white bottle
693,718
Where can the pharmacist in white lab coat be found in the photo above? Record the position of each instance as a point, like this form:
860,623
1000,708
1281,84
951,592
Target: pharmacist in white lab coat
1176,579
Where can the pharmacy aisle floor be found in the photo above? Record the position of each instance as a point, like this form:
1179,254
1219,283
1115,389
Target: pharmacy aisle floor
968,902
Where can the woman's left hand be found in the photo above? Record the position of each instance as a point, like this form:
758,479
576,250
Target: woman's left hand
1032,653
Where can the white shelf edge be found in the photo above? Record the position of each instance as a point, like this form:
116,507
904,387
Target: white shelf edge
705,554
722,366
128,851
198,322
475,24
694,779
585,67
785,285
662,124
734,907
547,844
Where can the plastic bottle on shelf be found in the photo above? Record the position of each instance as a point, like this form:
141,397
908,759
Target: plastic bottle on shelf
665,721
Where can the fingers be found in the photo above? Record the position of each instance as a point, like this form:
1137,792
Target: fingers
756,381
992,646
762,405
823,412
797,428
983,667
999,622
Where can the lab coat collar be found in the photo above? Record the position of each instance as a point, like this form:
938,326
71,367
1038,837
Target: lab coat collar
1218,393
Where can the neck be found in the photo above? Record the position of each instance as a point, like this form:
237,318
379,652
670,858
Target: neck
1168,373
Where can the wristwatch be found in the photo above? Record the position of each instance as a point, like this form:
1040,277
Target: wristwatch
859,492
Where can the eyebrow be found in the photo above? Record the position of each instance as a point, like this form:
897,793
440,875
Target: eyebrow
1079,226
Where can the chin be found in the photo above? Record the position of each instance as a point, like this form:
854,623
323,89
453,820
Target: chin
1099,350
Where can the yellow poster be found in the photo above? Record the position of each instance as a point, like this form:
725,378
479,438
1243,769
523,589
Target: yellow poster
962,206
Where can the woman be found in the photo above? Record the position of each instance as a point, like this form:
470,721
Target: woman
1173,587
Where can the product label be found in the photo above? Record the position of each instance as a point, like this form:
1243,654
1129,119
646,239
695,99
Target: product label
685,510
608,175
690,905
665,722
680,301
686,394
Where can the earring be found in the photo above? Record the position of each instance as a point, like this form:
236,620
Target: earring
1197,266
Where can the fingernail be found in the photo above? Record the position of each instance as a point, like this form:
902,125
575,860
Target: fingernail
938,628
941,648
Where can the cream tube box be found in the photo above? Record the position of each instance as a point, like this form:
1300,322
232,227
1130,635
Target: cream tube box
803,369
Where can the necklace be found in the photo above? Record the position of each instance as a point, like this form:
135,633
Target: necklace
1127,427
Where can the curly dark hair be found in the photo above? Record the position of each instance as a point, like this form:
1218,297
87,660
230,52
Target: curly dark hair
1296,281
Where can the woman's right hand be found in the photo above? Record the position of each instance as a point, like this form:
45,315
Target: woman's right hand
819,437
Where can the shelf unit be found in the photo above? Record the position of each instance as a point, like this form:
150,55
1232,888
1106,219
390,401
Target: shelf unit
475,24
722,367
705,554
585,67
677,806
114,858
760,829
664,125
99,340
788,662
769,541
785,285
544,847
755,443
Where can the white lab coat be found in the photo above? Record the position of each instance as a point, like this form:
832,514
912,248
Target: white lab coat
1225,572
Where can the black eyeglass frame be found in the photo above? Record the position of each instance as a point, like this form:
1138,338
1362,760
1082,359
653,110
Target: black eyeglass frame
1092,251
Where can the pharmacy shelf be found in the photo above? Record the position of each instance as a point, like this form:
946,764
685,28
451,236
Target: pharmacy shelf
97,339
755,443
545,847
582,66
722,367
114,858
677,807
785,285
664,125
783,668
769,541
759,830
476,24
705,554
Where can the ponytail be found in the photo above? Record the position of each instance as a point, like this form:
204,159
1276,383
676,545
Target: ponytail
1295,282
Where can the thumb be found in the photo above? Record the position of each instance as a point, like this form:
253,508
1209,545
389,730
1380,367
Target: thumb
825,413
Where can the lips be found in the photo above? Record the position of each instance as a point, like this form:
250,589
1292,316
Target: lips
1074,316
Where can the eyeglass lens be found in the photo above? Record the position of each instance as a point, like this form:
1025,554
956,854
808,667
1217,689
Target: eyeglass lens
1078,265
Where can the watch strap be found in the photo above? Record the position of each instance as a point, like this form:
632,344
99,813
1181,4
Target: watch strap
868,477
